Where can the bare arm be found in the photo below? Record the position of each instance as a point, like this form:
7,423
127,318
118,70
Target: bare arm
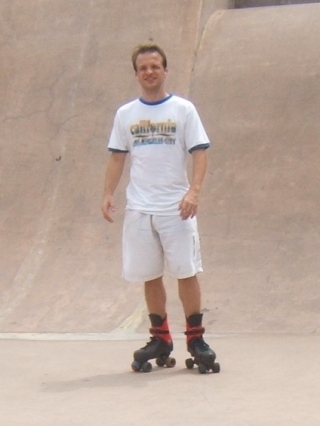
114,171
189,204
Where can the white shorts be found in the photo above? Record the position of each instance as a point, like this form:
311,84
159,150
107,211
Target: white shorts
151,243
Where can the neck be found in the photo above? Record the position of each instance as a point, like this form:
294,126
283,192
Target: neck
154,96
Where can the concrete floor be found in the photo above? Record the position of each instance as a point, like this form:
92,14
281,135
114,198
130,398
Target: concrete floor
264,380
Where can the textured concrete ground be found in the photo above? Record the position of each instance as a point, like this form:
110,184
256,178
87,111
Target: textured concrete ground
265,380
69,324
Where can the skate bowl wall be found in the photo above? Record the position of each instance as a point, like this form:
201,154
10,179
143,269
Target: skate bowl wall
260,230
65,68
253,76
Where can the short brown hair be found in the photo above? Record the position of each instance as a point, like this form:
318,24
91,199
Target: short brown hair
147,48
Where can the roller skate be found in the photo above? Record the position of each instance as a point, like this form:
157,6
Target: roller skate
159,347
203,355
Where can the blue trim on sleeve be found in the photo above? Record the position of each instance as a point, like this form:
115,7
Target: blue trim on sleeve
157,102
119,151
201,146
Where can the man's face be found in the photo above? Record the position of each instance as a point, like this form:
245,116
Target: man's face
150,71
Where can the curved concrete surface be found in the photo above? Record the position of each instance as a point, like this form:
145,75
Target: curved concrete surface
253,74
260,216
65,69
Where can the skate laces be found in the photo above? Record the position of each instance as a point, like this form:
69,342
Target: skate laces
157,342
199,343
153,340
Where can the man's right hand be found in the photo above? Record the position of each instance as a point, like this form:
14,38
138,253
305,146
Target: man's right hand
108,207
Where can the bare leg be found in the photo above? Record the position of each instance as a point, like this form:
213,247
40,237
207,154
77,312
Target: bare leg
160,345
156,298
190,295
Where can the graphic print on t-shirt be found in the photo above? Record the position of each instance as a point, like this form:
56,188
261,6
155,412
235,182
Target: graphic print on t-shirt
149,133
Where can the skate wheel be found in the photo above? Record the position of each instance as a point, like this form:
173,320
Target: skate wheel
216,368
146,367
170,362
189,363
202,369
160,362
135,366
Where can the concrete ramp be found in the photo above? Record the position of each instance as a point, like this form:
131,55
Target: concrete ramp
253,74
257,85
65,68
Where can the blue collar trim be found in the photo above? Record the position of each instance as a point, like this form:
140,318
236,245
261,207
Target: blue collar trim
157,102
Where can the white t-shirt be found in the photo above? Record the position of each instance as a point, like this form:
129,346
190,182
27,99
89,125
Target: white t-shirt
158,137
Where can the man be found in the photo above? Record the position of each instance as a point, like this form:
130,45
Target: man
160,227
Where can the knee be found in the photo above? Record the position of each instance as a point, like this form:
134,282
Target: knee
189,280
155,282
